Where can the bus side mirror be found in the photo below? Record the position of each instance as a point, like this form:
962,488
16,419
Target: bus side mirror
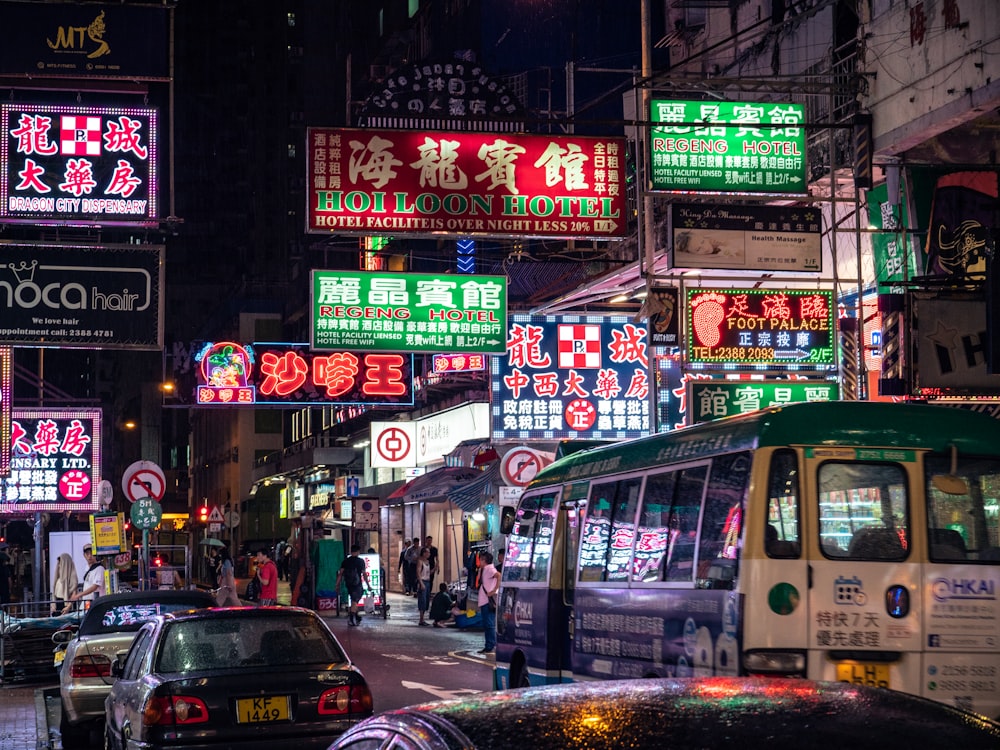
506,520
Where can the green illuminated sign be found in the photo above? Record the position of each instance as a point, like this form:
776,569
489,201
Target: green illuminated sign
715,399
408,312
728,147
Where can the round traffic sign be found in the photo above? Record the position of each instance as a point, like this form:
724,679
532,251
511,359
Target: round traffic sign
143,479
520,465
231,518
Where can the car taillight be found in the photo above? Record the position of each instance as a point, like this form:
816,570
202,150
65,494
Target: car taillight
174,709
345,699
90,665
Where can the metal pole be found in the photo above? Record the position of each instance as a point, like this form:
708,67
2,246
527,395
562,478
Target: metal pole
647,227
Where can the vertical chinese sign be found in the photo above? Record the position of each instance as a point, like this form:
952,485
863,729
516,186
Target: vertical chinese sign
728,147
72,164
5,409
572,377
469,184
55,461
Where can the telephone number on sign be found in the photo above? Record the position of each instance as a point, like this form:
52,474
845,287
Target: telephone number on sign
95,332
726,353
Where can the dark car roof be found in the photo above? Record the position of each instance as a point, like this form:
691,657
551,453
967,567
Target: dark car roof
186,598
689,713
251,611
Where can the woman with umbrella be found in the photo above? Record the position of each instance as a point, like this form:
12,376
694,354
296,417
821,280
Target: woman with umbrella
213,546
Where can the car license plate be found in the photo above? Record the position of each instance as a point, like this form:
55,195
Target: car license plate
863,673
262,709
60,657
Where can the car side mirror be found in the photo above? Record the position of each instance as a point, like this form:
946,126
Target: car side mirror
507,514
63,635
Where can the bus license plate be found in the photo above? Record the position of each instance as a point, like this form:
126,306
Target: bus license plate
262,709
864,673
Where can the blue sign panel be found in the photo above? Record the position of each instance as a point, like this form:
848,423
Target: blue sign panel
572,376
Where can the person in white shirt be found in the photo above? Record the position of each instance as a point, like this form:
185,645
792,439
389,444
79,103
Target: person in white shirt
93,580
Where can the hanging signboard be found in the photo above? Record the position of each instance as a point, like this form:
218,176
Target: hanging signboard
408,312
75,165
5,409
746,238
228,373
572,377
55,462
715,399
107,532
729,147
761,327
482,183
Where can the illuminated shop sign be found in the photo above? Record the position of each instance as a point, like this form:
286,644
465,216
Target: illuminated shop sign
5,409
715,399
425,183
572,377
761,327
78,165
746,238
728,147
272,374
408,312
100,296
55,462
459,363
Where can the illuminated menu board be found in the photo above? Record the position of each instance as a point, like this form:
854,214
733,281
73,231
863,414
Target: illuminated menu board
72,164
761,327
572,376
55,461
728,147
227,373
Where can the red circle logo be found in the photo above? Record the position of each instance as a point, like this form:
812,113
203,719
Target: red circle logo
580,415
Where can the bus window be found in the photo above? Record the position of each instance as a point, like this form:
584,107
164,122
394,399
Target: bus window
965,527
781,536
863,511
529,546
683,524
722,521
609,527
654,520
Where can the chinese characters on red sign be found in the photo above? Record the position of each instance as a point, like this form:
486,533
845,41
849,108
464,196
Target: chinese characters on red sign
579,377
55,461
291,374
371,181
75,163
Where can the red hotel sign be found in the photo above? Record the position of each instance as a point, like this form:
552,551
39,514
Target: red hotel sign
425,183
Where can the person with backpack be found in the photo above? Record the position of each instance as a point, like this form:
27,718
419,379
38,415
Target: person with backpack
354,575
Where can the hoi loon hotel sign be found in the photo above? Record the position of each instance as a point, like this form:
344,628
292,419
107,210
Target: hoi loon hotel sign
472,184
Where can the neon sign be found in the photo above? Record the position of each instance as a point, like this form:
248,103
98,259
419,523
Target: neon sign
73,165
55,462
714,399
5,398
459,362
761,327
232,374
728,147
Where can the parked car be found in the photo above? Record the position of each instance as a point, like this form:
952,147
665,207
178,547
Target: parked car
106,629
680,714
246,677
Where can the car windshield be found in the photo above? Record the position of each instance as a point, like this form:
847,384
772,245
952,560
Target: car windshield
128,616
243,639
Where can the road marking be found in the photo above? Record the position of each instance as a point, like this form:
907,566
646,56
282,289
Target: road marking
437,691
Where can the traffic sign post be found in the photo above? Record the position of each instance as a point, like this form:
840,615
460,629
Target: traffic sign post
144,479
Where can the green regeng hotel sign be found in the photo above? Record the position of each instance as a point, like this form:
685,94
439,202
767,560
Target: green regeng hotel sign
408,312
729,147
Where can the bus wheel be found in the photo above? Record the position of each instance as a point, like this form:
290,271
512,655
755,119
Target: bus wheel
519,674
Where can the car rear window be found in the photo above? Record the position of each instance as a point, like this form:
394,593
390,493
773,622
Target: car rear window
129,616
243,639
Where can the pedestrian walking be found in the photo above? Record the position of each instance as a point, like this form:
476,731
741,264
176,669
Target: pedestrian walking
424,584
354,576
226,595
404,579
267,572
412,558
489,584
93,581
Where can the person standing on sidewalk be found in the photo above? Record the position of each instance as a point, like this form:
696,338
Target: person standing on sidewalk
424,584
267,572
489,584
226,596
433,561
404,578
354,576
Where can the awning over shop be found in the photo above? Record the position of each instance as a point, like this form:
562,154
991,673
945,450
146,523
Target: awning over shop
434,486
471,496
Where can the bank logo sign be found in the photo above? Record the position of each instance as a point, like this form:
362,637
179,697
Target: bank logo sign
105,297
